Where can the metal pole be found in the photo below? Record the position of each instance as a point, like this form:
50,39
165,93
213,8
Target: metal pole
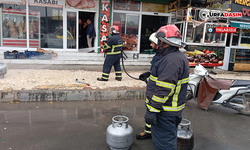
46,20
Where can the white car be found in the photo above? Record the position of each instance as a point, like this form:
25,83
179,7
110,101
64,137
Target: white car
55,40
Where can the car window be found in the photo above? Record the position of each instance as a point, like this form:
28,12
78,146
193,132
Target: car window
59,32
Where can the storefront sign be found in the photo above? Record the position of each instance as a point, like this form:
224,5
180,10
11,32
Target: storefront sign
47,3
246,12
242,2
242,6
153,7
225,29
18,2
104,20
127,5
242,25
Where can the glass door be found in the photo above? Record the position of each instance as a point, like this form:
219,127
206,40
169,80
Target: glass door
71,30
150,24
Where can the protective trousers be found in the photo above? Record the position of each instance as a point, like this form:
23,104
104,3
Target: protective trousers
112,60
164,134
148,128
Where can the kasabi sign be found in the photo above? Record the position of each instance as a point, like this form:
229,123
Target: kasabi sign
105,18
47,3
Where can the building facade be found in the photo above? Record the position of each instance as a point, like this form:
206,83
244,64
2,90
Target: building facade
59,25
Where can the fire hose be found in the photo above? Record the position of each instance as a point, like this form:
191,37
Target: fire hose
124,56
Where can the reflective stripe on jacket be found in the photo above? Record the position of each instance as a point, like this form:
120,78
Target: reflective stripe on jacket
167,86
114,45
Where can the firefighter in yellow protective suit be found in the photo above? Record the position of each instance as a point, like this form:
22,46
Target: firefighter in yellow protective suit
113,49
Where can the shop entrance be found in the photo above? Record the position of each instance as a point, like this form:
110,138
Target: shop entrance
83,17
150,24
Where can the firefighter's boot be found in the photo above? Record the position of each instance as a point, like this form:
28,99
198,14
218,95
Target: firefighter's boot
118,78
143,135
101,79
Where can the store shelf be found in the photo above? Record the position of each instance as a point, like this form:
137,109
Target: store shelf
246,58
207,64
244,54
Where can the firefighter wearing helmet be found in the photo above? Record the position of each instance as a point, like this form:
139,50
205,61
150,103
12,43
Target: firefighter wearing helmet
144,77
112,48
166,89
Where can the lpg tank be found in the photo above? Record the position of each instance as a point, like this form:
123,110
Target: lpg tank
185,136
119,134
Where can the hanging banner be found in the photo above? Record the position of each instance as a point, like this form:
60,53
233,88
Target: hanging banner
81,4
18,2
47,3
104,22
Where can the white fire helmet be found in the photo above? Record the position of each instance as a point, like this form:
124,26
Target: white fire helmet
153,39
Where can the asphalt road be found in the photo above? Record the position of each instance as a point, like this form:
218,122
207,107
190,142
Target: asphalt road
82,125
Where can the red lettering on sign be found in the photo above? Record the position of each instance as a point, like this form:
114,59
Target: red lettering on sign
225,29
246,12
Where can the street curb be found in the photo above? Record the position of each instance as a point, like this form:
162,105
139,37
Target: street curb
71,95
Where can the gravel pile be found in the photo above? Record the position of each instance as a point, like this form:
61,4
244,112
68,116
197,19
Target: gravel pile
31,79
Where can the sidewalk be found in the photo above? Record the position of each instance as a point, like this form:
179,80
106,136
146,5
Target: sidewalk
60,85
67,58
45,80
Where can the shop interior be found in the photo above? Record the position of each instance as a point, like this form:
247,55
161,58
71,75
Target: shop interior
150,24
200,37
83,16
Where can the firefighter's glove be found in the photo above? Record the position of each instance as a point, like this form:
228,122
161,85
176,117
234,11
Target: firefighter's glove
150,118
144,76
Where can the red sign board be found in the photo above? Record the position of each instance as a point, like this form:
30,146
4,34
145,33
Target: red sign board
225,29
104,21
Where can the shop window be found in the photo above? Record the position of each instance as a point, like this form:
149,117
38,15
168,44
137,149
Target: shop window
232,52
228,39
127,5
184,15
189,36
46,27
13,25
179,15
235,38
198,32
194,34
242,56
173,17
180,27
128,24
245,38
211,36
71,30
